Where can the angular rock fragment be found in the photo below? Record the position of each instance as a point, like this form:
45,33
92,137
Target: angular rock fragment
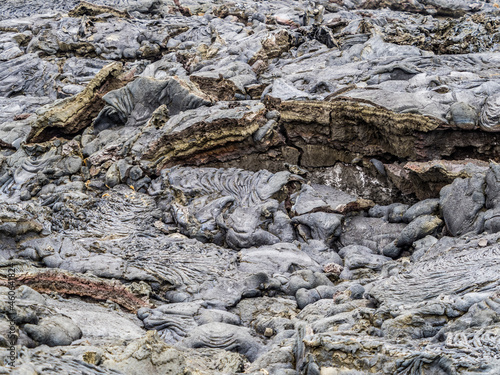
74,114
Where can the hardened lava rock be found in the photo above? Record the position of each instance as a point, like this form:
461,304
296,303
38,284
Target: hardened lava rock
284,187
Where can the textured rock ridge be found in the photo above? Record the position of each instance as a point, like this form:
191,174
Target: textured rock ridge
261,187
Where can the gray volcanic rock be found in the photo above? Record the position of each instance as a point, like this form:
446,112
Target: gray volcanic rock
419,228
28,75
461,203
360,257
225,336
132,106
265,314
215,204
56,332
320,225
370,232
284,187
172,321
281,258
425,207
439,271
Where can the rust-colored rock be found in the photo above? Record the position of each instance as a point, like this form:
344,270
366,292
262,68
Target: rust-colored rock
22,116
67,283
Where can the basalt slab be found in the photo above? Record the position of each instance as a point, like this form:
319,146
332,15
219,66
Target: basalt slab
343,129
28,75
231,206
312,134
216,134
134,104
426,179
76,113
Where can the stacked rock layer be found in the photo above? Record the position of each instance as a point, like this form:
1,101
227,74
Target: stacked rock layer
284,187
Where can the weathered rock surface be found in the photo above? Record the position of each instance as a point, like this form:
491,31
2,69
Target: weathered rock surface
285,187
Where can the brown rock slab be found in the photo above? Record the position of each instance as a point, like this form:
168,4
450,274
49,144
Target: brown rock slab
88,9
273,46
71,115
344,128
426,179
64,282
216,134
218,89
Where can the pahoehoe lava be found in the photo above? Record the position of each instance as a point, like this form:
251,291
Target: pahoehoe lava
260,187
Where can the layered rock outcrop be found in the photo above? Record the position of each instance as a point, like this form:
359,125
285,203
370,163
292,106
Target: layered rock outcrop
286,187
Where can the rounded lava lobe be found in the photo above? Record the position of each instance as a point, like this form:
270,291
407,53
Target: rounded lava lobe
250,186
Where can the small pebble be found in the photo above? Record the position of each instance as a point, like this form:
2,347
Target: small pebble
483,242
